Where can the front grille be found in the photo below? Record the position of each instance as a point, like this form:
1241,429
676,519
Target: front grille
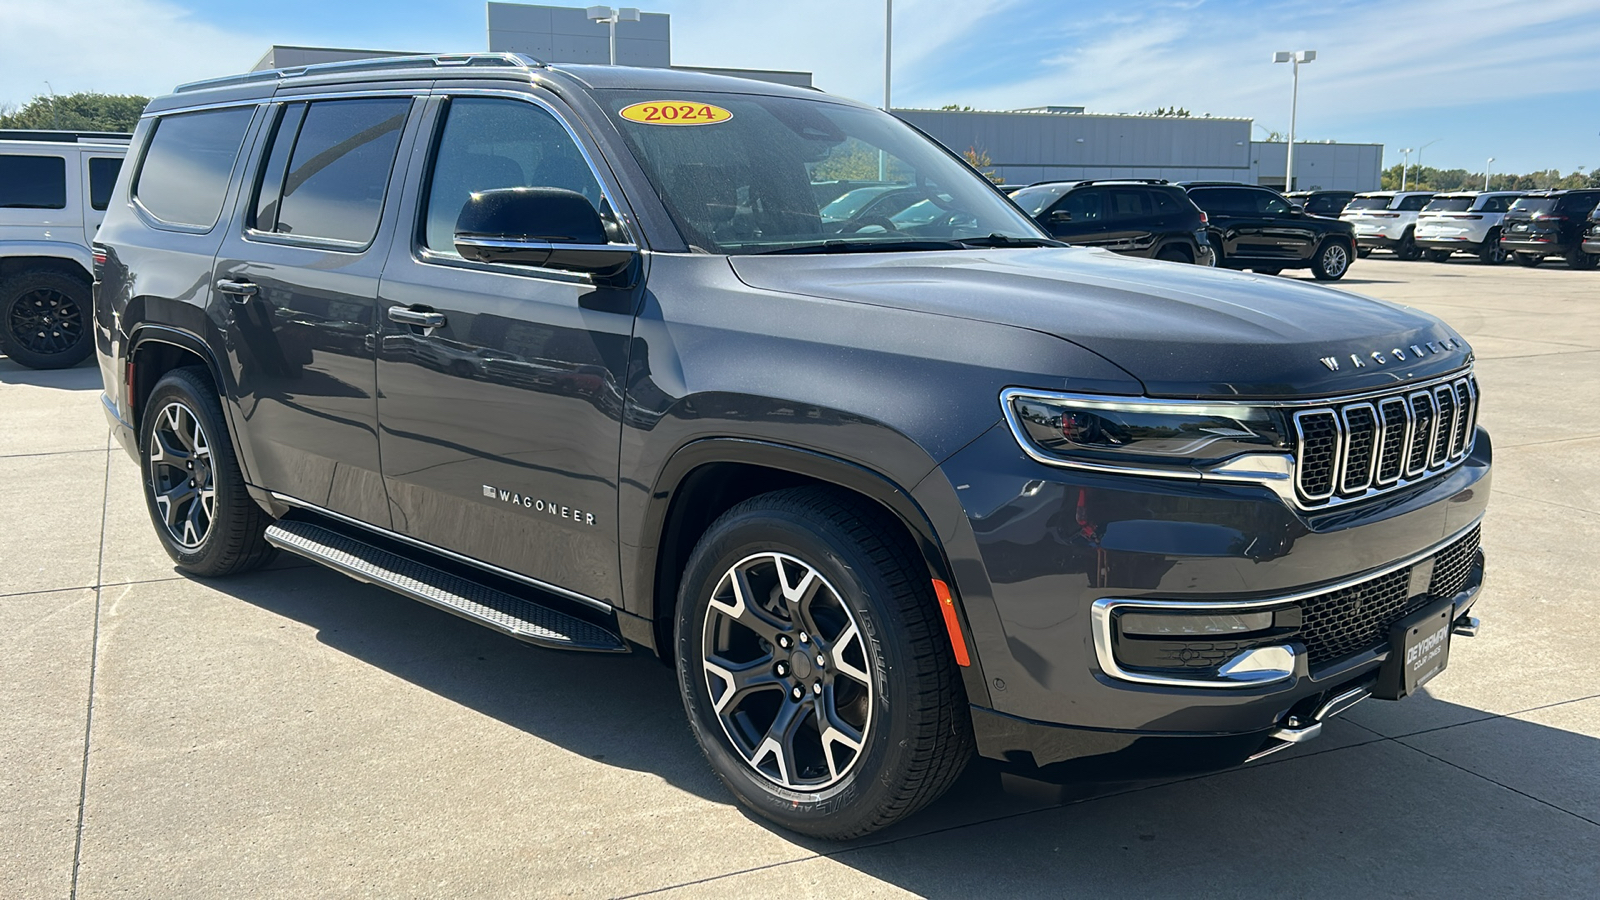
1353,450
1358,618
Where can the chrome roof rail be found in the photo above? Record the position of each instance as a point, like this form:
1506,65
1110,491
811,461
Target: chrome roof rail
372,64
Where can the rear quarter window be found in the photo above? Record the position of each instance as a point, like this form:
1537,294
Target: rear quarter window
183,178
1413,204
33,182
102,178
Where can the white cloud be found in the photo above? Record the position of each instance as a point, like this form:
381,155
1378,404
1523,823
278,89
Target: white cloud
122,47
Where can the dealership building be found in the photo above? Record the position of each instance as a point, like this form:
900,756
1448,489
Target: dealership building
1023,145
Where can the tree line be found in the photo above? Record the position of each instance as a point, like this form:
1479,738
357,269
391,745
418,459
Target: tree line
86,111
1427,178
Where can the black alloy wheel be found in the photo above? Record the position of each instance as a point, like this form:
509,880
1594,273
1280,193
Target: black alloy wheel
1492,254
44,319
203,514
1407,249
1331,262
815,668
1577,259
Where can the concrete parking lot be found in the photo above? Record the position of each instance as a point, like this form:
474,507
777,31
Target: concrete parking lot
293,733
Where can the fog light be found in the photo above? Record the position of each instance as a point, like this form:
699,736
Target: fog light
1182,625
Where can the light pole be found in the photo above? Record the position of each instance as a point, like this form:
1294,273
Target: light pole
1486,167
888,51
1295,57
610,17
1419,156
1405,167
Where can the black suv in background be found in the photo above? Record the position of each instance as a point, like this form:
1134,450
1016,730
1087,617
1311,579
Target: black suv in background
1550,223
572,353
1321,203
1255,228
1152,219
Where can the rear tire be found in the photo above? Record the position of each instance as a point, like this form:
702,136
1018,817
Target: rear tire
1528,259
1407,249
204,517
1577,259
1436,255
45,319
1175,253
1331,262
1492,254
821,688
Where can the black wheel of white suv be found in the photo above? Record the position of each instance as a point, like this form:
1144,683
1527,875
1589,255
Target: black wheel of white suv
1331,262
44,319
814,666
194,490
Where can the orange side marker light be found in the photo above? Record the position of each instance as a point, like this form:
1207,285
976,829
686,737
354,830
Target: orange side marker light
947,605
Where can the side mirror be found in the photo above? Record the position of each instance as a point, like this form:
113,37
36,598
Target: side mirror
1059,216
1296,209
552,228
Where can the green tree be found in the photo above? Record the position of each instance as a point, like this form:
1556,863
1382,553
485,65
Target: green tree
1173,111
78,112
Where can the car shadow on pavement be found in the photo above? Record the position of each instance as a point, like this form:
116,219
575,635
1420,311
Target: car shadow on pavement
84,376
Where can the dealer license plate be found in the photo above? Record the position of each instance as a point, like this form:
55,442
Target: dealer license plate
1419,649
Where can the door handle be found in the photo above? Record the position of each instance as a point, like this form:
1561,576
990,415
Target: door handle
240,291
418,317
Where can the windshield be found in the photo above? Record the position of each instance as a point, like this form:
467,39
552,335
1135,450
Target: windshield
1533,204
1035,200
737,172
1368,203
1449,204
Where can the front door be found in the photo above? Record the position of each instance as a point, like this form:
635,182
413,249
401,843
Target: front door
501,419
300,278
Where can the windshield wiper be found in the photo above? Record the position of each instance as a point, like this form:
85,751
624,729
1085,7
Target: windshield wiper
1006,240
867,247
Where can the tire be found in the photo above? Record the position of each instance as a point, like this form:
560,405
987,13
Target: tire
886,682
1363,252
1577,259
230,538
1528,259
1266,270
1407,249
1175,253
45,319
1436,255
1331,262
1492,254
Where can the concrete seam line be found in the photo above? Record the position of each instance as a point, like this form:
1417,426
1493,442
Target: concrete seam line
1578,816
94,659
1492,716
47,453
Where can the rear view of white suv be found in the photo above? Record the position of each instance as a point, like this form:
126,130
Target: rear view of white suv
1468,221
54,188
1386,220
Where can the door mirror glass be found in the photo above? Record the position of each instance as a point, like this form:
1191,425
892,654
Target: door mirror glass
541,226
1296,209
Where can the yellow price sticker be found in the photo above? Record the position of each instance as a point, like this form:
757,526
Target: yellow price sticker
675,112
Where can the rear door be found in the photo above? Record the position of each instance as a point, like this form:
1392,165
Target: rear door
1285,234
298,284
502,422
1133,219
1236,225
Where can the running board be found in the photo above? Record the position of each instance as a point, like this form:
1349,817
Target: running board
509,614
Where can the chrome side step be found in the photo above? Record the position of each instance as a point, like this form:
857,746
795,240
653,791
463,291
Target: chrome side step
507,613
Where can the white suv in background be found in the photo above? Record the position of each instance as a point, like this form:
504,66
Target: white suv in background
1386,220
54,187
1467,221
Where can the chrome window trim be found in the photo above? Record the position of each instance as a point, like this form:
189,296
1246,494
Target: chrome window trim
1276,471
1100,617
585,599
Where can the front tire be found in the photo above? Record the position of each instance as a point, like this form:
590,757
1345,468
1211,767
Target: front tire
44,319
814,665
204,517
1331,262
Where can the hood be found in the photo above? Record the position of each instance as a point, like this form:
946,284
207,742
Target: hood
1182,330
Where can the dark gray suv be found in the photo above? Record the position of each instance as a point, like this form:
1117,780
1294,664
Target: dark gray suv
572,352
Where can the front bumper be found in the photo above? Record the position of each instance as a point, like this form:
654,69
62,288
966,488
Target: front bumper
1043,546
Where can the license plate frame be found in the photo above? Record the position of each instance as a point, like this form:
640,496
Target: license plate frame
1419,649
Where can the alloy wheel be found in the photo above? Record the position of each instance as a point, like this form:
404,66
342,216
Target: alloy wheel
786,672
1335,260
46,321
182,479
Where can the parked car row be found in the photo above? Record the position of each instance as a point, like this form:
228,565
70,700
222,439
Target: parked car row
1528,226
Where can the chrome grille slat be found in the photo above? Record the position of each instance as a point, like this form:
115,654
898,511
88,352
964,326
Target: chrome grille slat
1353,449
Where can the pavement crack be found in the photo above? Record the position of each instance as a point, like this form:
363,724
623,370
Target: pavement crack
1579,816
94,665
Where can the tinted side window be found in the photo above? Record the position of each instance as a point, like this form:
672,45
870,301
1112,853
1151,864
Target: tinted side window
1412,204
33,182
1166,202
490,143
1579,203
1128,203
102,178
338,168
1270,203
1225,201
1083,205
184,176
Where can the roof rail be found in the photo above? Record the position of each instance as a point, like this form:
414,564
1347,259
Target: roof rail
66,137
371,64
1101,181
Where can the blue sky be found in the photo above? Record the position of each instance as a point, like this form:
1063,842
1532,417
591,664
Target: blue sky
1512,79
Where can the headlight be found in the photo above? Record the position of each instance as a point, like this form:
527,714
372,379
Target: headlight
1133,432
